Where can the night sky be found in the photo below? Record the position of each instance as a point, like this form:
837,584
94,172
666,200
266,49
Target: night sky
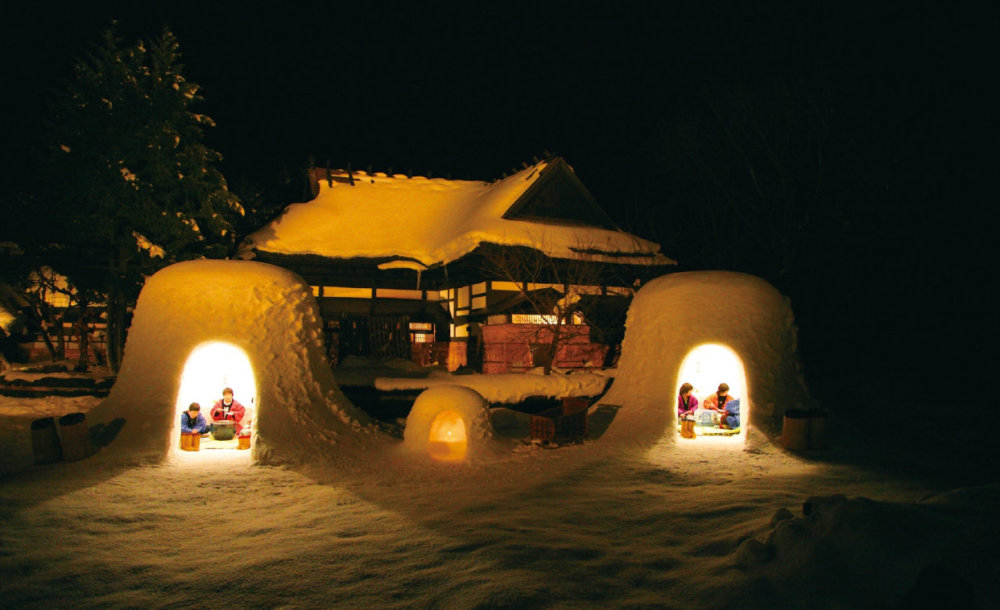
899,268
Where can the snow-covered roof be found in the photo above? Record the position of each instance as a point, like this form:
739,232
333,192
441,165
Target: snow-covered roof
427,222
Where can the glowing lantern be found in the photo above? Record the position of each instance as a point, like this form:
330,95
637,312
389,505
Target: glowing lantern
447,441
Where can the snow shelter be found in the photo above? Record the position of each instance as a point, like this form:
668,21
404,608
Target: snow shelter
449,423
264,325
461,272
680,319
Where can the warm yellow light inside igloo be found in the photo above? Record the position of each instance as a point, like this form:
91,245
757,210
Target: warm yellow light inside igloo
705,367
210,367
447,441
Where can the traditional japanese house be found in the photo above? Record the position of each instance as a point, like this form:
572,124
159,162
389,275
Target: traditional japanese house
485,274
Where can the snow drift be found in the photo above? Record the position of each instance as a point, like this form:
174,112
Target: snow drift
673,315
266,312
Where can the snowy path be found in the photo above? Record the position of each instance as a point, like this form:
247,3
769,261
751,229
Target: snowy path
584,527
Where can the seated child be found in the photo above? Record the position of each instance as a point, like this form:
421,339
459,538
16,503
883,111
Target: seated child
731,419
227,408
723,408
686,403
192,421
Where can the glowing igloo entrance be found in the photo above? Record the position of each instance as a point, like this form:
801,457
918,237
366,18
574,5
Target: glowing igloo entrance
705,367
209,368
446,440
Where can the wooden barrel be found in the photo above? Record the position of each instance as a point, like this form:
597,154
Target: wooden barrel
45,441
817,429
795,430
190,441
244,441
74,436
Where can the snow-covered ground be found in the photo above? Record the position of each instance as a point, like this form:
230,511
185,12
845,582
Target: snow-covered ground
331,511
672,525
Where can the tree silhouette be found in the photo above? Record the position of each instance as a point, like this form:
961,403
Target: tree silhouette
128,185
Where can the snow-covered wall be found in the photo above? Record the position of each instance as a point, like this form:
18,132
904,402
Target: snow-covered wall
267,312
674,314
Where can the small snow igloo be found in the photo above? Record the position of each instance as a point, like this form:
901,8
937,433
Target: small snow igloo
449,423
705,328
200,326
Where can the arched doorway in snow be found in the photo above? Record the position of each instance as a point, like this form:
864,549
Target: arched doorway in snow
447,441
450,424
705,367
210,367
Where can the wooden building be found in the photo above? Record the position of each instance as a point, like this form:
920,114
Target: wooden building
462,272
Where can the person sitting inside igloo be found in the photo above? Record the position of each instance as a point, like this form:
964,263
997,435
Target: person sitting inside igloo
229,409
722,409
192,421
687,404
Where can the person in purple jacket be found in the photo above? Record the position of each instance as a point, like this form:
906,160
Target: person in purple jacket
686,403
192,421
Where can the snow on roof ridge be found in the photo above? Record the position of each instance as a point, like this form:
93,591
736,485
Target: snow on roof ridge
347,172
433,221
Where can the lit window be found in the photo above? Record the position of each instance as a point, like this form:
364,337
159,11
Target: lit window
421,332
525,318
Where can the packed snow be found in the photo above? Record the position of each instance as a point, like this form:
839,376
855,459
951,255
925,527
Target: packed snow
451,424
431,221
507,387
264,314
328,511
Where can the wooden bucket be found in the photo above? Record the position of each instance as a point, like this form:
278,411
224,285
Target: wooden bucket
817,429
795,430
45,441
687,428
190,441
244,442
75,436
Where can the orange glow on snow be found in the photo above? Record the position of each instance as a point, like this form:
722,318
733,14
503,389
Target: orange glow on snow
447,442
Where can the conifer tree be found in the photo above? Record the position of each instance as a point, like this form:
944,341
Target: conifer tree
129,185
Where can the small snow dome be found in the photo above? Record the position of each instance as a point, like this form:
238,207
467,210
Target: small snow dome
201,326
721,322
449,423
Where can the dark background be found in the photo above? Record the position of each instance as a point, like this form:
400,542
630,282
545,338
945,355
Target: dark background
892,285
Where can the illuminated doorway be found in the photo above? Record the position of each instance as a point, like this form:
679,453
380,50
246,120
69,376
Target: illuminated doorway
705,367
447,440
210,367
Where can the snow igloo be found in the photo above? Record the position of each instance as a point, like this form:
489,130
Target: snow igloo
707,328
200,326
449,423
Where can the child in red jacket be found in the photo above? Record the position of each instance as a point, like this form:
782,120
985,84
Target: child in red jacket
229,409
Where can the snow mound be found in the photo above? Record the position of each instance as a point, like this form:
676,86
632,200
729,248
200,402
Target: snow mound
449,414
887,551
674,314
267,312
506,387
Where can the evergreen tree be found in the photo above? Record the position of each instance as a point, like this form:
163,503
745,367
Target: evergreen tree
130,187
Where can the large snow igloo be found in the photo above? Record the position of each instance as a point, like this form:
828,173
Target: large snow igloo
200,326
679,323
